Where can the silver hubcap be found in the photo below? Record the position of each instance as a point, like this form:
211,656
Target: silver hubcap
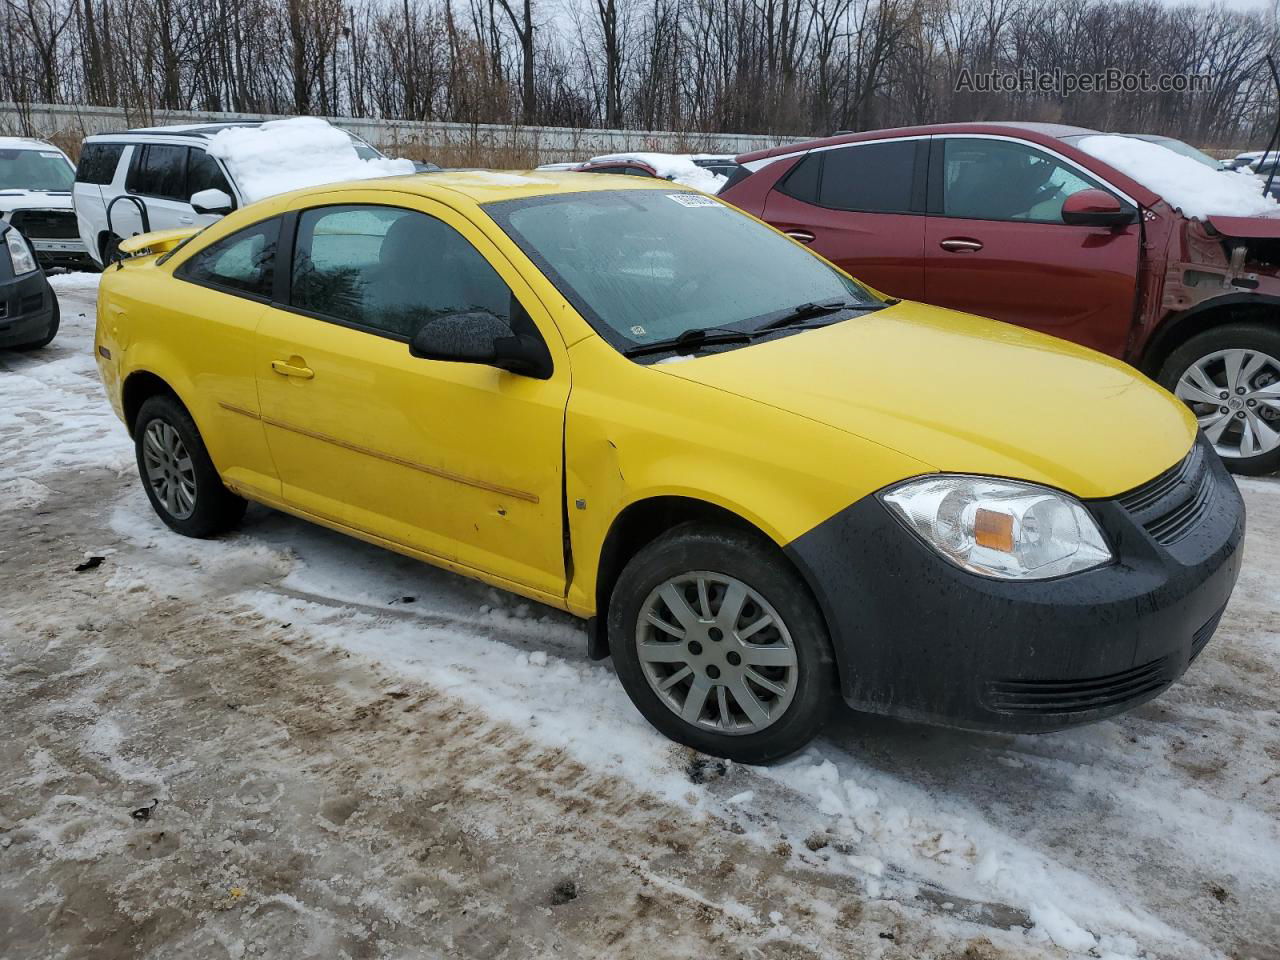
716,653
1235,394
170,471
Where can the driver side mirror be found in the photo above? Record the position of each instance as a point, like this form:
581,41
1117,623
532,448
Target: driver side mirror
212,201
1096,208
477,336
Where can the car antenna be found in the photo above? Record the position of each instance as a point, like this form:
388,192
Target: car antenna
1275,134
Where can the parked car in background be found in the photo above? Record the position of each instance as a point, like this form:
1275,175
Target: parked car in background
148,179
28,307
35,197
1018,222
1268,170
1249,158
759,477
706,172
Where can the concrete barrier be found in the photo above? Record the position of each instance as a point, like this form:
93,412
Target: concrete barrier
450,144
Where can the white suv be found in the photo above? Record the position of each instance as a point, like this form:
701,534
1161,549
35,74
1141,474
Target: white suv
35,197
155,178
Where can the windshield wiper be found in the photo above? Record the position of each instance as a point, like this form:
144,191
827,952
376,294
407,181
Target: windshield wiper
811,311
689,341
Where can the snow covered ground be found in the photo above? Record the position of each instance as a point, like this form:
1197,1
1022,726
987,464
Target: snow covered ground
354,754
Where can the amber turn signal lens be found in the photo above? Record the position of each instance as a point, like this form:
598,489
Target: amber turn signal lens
993,529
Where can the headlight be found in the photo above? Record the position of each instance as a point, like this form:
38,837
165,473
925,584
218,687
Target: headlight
1001,528
20,255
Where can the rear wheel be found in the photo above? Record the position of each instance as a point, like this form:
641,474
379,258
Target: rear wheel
181,481
720,645
1230,378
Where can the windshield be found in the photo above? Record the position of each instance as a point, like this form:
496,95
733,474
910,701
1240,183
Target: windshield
363,150
35,170
647,265
1187,150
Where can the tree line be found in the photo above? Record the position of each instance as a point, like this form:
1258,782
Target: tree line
787,67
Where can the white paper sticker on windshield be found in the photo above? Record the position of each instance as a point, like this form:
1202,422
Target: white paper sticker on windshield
51,156
692,200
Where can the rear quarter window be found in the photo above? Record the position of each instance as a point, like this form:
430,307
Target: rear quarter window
98,162
802,181
243,263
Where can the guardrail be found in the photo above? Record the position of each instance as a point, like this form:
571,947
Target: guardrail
414,137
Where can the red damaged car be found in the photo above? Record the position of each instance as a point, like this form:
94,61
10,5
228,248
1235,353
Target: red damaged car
1019,222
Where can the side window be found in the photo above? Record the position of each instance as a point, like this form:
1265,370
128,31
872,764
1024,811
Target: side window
390,269
98,162
869,178
203,173
1004,180
159,170
241,263
802,181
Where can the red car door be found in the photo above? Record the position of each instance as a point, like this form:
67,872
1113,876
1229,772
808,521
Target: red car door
862,207
995,244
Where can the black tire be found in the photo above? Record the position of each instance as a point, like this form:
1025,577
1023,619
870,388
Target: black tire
53,329
216,509
759,565
111,250
1233,336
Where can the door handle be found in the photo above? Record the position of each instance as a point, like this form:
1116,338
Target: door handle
804,236
959,245
186,220
287,369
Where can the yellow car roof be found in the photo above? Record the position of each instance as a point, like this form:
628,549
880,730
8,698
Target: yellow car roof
487,186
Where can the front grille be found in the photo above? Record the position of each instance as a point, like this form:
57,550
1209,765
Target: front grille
1170,506
1052,697
1201,636
46,224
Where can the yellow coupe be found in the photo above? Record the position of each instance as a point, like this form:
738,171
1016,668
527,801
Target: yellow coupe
760,482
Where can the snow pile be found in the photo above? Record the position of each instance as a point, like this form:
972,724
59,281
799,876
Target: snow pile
678,167
1185,184
284,155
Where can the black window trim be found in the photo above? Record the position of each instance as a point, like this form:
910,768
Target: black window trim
232,291
282,298
919,176
937,164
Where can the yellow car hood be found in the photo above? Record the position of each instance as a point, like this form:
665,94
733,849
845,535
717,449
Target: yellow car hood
966,395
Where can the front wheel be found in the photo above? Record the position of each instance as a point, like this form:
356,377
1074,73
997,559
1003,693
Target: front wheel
181,481
720,645
1230,378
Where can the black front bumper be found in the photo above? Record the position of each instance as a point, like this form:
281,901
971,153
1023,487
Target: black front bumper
917,637
26,309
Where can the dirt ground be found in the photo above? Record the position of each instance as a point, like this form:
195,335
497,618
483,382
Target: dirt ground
224,750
